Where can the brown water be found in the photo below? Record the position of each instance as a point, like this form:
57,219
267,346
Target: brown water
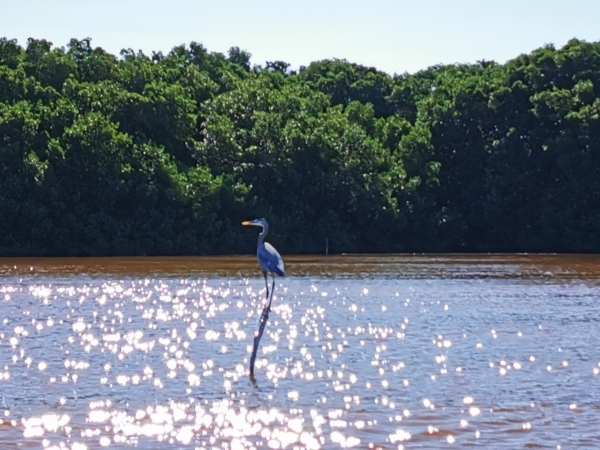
366,352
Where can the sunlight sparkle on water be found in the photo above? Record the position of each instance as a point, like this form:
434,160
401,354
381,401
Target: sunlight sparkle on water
158,361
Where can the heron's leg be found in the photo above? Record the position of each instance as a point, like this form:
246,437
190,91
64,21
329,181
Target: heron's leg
272,291
266,283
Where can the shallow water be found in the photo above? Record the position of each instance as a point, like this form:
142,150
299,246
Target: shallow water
365,352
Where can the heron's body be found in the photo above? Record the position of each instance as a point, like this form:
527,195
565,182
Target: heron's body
270,262
269,259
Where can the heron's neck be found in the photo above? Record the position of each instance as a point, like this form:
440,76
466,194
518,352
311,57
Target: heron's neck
261,236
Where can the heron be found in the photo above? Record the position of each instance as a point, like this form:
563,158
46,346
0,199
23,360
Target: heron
270,263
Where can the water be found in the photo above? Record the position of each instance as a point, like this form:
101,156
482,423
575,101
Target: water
365,352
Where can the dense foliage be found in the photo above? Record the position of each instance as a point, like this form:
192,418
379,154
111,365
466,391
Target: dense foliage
167,154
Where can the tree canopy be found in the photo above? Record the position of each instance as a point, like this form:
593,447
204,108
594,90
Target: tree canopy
159,154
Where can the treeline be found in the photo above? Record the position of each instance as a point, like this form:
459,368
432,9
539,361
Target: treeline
166,154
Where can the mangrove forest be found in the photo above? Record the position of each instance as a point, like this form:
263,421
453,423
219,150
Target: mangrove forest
166,154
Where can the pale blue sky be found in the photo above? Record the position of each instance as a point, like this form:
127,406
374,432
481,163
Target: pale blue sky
394,36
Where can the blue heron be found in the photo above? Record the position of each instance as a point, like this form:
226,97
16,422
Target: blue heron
269,259
270,262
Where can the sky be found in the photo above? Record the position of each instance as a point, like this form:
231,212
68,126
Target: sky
395,36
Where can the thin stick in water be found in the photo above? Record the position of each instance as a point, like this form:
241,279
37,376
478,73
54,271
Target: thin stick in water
261,329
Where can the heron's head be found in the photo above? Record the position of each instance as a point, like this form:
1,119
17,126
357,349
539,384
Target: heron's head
256,223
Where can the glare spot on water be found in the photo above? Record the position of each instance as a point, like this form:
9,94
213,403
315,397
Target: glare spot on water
399,436
474,411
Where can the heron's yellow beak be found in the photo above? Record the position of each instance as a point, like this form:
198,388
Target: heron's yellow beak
246,223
